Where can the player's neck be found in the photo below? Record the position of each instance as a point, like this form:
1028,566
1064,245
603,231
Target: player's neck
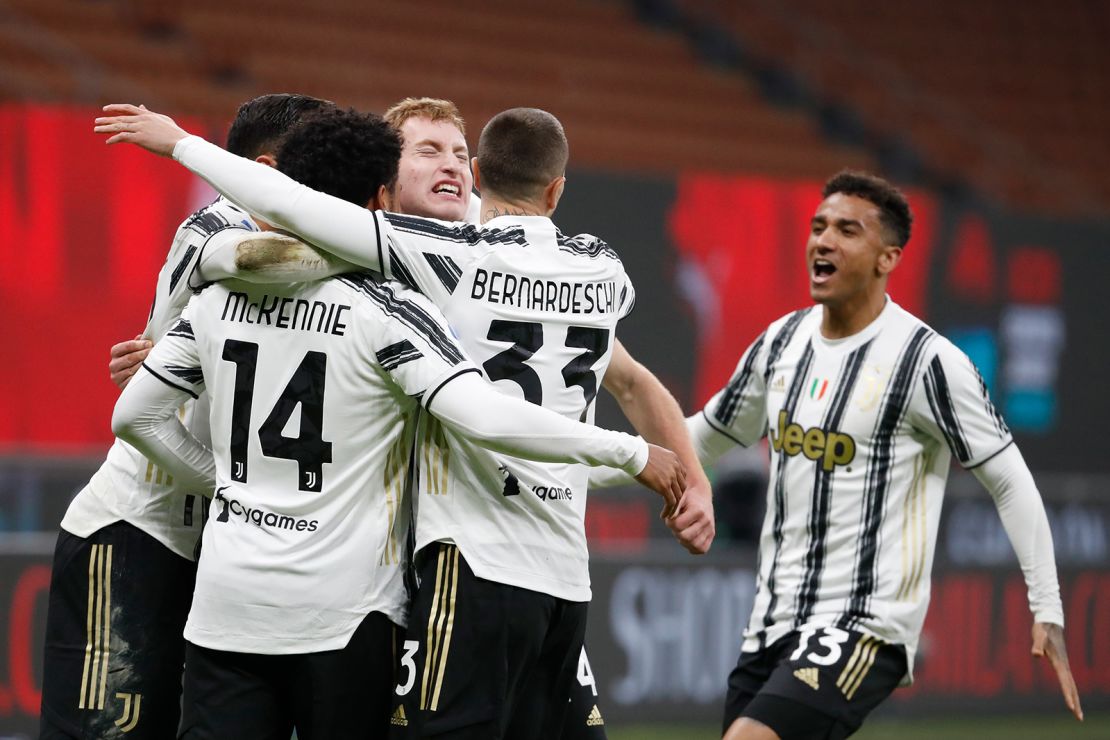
846,319
494,206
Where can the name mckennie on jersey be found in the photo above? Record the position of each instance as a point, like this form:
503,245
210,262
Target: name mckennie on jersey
286,313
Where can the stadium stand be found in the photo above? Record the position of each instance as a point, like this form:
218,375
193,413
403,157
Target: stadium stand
1011,97
631,97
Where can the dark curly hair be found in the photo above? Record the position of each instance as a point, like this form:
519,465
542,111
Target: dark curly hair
343,153
261,123
894,211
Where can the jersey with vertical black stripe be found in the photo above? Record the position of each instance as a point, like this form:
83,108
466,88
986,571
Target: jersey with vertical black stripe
537,310
861,431
128,487
314,389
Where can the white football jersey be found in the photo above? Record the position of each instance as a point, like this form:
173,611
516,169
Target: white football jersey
861,432
128,487
313,386
537,311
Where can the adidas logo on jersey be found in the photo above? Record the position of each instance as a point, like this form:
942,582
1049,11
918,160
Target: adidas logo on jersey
778,385
808,676
594,718
399,717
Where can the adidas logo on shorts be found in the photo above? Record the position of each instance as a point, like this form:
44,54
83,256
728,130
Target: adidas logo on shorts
808,676
594,718
399,717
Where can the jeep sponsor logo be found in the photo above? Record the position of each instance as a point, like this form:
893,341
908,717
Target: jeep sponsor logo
260,517
831,448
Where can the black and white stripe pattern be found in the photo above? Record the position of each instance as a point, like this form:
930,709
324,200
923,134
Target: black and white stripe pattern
944,411
191,375
445,268
409,313
207,221
729,404
169,382
822,489
999,424
179,271
788,408
460,234
399,271
879,469
182,329
397,354
585,245
782,339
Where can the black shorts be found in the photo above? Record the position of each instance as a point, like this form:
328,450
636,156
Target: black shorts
820,690
329,695
584,719
483,659
114,645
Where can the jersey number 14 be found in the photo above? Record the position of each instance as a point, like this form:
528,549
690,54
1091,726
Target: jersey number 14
305,387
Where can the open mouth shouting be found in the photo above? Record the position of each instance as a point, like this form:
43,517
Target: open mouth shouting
821,270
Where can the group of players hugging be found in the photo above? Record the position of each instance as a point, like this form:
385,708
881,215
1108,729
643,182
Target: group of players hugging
354,443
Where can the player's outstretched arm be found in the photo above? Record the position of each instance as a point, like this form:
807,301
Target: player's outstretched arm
656,415
1011,485
146,418
344,229
471,407
126,358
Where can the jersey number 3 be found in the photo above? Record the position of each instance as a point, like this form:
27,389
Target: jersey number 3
306,388
527,338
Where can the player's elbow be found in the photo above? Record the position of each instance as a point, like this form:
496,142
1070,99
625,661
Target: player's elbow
123,423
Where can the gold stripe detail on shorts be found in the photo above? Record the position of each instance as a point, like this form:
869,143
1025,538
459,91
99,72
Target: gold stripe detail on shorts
106,643
861,643
94,555
430,638
865,664
448,628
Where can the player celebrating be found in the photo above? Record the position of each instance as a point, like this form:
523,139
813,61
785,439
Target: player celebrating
315,392
538,308
864,406
124,564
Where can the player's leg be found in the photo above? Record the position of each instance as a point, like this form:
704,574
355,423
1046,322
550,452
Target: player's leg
470,643
348,693
584,719
235,696
540,699
826,685
113,655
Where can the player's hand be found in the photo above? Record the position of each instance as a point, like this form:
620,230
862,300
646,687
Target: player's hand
127,358
693,524
666,475
130,124
1048,642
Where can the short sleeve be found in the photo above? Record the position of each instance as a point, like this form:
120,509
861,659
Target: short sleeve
412,341
739,410
626,297
952,404
175,359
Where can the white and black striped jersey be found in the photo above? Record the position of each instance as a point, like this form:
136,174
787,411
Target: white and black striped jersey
861,432
537,310
314,390
534,308
127,486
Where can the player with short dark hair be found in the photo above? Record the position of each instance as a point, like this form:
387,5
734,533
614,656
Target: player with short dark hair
864,406
124,563
546,335
521,151
317,390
